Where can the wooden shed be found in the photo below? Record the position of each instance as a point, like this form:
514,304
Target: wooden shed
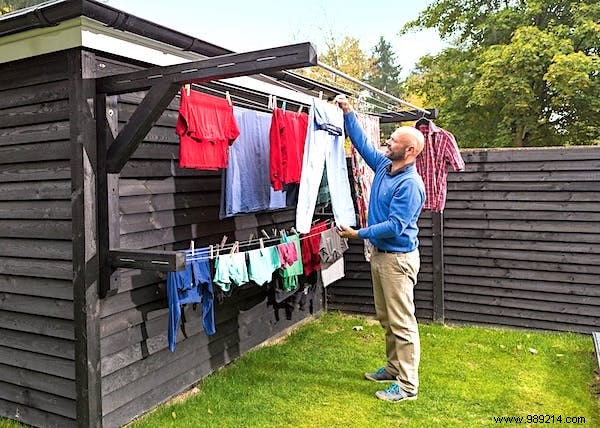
89,175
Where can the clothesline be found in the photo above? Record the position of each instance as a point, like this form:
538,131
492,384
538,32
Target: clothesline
205,251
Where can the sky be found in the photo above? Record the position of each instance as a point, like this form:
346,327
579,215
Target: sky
246,25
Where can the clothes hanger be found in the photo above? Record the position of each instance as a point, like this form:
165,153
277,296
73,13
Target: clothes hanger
422,121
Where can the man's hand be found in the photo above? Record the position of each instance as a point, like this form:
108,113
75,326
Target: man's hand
343,102
347,232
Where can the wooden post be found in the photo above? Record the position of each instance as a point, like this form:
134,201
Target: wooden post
107,128
84,233
437,219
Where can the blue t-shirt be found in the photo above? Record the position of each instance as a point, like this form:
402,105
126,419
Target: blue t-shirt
396,200
247,186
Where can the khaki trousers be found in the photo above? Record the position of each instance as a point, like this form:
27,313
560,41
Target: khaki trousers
394,277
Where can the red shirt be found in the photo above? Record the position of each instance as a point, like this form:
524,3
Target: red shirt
309,247
287,135
206,127
440,151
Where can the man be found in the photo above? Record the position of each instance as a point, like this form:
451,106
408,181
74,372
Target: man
397,196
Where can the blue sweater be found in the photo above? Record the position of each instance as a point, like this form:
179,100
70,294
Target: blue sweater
396,200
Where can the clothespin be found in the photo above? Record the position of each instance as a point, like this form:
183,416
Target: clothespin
300,108
274,101
293,230
188,88
274,232
223,241
250,238
283,105
320,95
211,252
228,98
234,247
192,246
266,235
262,243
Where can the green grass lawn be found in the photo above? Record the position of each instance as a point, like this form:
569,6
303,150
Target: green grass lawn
314,378
469,375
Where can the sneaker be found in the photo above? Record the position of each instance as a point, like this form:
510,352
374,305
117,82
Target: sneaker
395,394
380,376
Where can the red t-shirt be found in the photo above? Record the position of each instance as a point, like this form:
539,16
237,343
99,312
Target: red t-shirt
287,135
206,127
309,246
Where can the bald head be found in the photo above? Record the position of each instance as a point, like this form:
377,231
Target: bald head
412,136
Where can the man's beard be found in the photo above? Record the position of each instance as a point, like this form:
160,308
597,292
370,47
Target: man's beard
394,156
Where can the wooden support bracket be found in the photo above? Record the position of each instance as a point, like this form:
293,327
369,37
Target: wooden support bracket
407,116
164,261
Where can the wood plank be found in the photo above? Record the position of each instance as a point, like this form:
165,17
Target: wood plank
37,133
587,302
51,111
564,261
36,342
39,381
592,205
500,244
43,210
521,215
527,196
129,318
536,165
513,186
159,237
37,305
43,249
123,301
22,73
81,67
581,290
164,261
533,176
495,320
55,269
34,94
38,362
163,219
40,400
51,327
510,155
36,287
519,302
164,202
526,314
23,153
157,168
215,68
32,416
534,265
43,190
133,187
523,236
566,277
35,171
55,229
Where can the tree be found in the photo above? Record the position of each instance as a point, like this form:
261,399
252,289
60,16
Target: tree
519,73
7,6
346,56
386,72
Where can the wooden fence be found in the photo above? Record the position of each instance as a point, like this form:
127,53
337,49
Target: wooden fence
521,244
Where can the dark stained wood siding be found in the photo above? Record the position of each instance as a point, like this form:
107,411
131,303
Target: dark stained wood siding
37,372
522,239
164,207
521,243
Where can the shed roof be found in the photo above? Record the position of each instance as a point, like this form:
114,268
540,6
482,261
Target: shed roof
63,24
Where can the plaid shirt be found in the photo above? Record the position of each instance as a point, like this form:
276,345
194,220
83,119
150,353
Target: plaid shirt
432,164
